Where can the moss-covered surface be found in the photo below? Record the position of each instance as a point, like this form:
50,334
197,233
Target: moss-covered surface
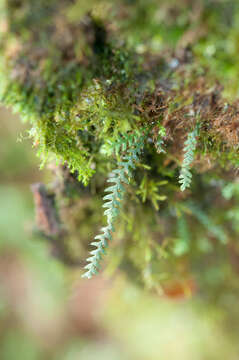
83,74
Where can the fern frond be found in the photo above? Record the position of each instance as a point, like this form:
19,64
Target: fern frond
190,144
130,146
160,142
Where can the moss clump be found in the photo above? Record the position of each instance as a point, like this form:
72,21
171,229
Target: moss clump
81,82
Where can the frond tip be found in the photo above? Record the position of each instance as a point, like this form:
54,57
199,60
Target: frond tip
190,144
131,146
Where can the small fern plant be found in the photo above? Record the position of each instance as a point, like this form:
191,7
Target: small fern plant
130,147
190,144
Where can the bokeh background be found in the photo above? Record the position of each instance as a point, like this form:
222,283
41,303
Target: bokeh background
48,312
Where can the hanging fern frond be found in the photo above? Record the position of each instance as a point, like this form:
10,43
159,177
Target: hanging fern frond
160,140
190,144
131,146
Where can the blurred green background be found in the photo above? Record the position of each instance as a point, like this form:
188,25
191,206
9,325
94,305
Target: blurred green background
48,312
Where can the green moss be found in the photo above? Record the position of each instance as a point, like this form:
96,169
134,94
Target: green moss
83,80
